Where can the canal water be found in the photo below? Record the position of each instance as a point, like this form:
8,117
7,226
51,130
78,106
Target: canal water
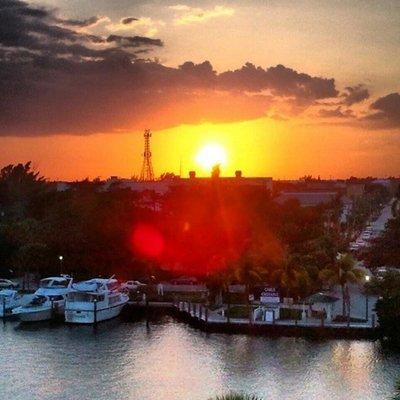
171,361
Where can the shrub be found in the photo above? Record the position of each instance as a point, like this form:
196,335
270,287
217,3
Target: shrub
237,396
388,311
289,313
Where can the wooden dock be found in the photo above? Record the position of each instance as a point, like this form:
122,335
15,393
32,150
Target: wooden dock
201,317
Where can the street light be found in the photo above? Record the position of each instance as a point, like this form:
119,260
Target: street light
61,258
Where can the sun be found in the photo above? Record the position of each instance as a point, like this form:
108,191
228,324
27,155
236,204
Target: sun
210,155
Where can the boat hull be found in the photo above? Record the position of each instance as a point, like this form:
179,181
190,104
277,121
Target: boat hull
38,314
8,312
34,316
87,316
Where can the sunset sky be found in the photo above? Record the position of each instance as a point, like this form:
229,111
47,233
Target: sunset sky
286,88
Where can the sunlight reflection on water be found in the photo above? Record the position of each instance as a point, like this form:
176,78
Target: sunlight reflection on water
172,361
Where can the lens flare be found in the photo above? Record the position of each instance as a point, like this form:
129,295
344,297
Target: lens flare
147,241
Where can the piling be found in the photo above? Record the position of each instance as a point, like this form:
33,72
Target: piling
4,309
53,314
147,312
95,312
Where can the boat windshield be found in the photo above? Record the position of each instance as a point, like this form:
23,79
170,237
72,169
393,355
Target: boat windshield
84,297
51,283
38,301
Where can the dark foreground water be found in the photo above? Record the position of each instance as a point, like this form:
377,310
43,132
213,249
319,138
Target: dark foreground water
169,361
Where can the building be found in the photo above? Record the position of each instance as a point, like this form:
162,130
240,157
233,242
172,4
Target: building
307,199
237,180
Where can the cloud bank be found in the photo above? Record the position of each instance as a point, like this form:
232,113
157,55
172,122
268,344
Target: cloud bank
58,78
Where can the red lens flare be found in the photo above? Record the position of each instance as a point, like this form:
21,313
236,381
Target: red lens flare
147,241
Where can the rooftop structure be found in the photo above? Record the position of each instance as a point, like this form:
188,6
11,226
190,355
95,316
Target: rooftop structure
307,199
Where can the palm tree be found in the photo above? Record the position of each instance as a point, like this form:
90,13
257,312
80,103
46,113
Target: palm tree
286,275
237,396
246,270
342,273
397,393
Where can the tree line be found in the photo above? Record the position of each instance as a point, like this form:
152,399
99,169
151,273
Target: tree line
221,233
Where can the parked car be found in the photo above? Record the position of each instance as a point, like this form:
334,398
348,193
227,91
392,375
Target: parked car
132,285
7,284
183,280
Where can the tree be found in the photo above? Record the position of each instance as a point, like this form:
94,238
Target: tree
216,171
248,271
397,393
388,307
167,176
342,272
19,186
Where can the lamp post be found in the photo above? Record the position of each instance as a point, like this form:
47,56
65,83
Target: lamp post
367,279
61,258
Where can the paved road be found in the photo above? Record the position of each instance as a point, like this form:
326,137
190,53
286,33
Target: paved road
378,226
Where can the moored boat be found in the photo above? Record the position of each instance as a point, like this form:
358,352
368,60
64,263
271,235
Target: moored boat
47,302
9,299
94,300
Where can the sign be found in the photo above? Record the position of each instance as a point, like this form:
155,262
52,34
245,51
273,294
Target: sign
270,295
251,297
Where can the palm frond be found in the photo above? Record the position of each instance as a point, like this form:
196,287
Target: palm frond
237,396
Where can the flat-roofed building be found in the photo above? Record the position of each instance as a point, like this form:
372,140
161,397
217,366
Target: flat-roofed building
307,199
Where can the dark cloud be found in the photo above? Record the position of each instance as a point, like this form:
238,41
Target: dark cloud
57,79
80,23
355,94
335,113
128,20
39,31
134,41
281,81
386,111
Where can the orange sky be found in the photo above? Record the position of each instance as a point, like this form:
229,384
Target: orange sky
261,147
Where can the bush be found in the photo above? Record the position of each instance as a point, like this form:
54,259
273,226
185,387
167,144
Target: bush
238,312
289,313
344,318
237,396
388,311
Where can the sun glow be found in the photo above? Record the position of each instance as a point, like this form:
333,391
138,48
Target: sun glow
210,155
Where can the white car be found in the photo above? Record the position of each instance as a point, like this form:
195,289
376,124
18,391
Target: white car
132,285
7,284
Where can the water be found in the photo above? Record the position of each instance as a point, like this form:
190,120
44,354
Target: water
171,361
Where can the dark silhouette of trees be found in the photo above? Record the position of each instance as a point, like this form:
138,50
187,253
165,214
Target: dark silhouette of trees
208,228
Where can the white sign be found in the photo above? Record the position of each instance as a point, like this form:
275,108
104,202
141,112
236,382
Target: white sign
269,316
270,295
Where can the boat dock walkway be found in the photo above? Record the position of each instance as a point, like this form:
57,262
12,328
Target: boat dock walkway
206,319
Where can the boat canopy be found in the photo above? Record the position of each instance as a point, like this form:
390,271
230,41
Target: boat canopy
86,286
55,282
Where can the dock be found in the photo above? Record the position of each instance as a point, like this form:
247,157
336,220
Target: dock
201,317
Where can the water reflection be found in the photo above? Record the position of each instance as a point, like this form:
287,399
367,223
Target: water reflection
119,360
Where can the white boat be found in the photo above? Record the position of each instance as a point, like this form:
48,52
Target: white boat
9,299
48,301
94,300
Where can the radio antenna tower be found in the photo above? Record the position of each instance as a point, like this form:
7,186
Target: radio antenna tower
147,173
